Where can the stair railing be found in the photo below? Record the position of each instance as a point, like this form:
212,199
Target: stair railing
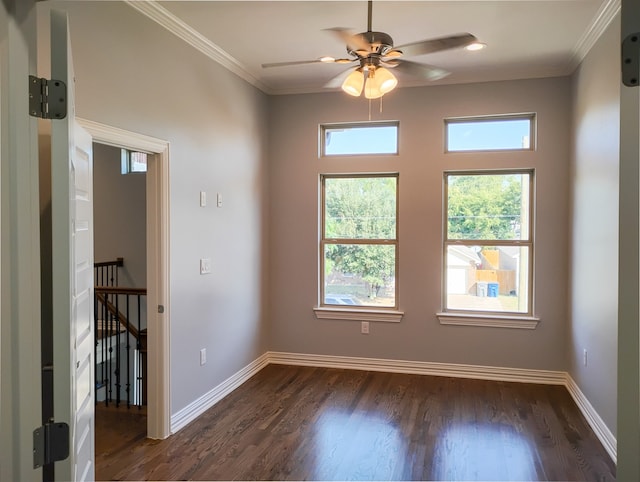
118,318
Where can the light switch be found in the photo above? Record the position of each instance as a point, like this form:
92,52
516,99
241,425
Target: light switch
219,200
205,266
203,198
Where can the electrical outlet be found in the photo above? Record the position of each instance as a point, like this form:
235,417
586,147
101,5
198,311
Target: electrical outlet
364,328
205,266
203,356
584,357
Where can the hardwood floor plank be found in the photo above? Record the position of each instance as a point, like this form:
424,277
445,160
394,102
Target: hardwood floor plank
302,423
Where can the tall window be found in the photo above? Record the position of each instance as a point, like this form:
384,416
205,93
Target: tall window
488,246
359,245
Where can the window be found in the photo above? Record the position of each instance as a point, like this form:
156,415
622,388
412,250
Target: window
488,245
357,139
131,161
359,245
492,133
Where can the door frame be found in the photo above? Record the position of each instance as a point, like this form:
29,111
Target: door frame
158,323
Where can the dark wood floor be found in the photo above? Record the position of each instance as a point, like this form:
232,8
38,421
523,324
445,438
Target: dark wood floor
297,423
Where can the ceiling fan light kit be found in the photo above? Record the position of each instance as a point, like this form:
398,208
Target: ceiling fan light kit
374,51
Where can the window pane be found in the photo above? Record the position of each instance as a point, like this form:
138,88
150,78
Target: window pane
487,278
360,208
372,139
359,274
489,135
488,206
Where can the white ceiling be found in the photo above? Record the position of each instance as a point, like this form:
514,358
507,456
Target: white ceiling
525,38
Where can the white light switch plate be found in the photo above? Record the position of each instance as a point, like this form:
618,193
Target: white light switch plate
203,198
205,266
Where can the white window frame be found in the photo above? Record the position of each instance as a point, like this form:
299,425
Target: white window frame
356,312
530,116
357,125
501,319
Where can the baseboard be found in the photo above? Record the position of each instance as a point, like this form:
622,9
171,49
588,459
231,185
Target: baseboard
196,408
421,368
598,426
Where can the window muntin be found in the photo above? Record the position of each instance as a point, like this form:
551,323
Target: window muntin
359,139
359,245
493,133
488,246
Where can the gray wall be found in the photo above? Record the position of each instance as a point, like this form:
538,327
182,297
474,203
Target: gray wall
119,216
594,230
293,216
133,74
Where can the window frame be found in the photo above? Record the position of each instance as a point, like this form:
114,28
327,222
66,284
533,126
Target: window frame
377,313
511,319
357,125
530,116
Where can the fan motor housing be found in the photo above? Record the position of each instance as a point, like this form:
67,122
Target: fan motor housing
380,42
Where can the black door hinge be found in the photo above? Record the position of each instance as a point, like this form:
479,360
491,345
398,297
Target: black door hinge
47,98
631,60
50,443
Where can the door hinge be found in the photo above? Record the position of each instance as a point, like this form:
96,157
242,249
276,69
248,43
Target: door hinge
631,60
47,98
50,443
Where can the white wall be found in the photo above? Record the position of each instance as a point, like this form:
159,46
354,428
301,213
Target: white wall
119,216
594,229
293,217
133,74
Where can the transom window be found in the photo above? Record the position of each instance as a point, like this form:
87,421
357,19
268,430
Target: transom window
359,139
488,242
359,245
490,133
132,161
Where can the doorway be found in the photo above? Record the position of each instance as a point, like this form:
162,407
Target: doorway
157,265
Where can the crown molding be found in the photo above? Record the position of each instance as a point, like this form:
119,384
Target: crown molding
603,18
180,29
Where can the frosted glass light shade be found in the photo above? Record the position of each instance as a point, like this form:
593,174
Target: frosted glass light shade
379,83
353,84
386,80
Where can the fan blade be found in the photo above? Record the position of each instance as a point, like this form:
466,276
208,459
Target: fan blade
338,79
297,62
437,44
354,42
321,60
416,69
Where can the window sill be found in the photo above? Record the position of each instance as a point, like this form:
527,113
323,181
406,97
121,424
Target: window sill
390,316
491,321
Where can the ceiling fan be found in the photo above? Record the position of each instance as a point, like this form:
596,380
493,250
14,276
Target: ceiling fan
375,54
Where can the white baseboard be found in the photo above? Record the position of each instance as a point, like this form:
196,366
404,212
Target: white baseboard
421,368
196,408
598,426
523,375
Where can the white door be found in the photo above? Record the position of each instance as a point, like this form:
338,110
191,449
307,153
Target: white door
628,433
72,268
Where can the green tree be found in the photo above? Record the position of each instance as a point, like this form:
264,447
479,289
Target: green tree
361,208
484,206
